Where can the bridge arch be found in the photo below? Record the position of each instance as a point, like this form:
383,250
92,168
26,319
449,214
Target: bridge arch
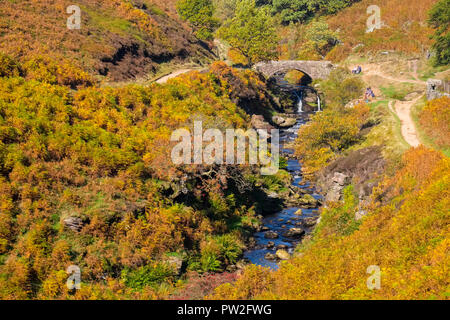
280,76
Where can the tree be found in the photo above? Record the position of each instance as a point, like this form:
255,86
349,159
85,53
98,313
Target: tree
200,14
251,31
439,19
302,10
319,39
225,9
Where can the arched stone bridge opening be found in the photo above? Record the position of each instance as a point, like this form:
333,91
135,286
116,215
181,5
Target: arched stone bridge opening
308,98
313,69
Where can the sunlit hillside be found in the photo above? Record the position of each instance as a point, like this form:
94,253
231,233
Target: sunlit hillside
403,27
119,39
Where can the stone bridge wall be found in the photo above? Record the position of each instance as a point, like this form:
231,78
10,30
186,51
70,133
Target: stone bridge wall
314,69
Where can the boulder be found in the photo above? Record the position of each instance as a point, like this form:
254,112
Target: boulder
278,120
252,242
73,223
294,233
289,122
271,235
270,256
283,254
341,179
270,245
283,122
282,247
334,193
258,122
310,221
176,263
241,264
308,201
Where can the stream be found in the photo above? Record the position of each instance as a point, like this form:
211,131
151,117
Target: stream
286,219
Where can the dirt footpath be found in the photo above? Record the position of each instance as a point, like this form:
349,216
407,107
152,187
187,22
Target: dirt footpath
401,108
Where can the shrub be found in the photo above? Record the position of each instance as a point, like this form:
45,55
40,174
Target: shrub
8,67
328,134
150,275
435,119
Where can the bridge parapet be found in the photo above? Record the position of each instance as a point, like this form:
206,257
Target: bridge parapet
314,69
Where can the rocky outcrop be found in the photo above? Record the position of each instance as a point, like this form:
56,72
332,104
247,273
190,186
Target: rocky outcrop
362,167
258,122
437,89
337,184
73,223
283,122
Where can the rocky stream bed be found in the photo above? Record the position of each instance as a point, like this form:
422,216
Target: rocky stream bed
282,231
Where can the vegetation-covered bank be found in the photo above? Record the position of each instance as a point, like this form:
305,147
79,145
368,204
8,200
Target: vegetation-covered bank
384,207
410,245
86,179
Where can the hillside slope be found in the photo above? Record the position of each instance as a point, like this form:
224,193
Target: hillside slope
404,27
405,234
119,39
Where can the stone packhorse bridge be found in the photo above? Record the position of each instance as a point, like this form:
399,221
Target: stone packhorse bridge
314,69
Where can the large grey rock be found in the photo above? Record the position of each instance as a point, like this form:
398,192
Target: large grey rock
258,122
271,235
437,89
176,263
283,254
340,178
310,221
334,193
74,223
294,233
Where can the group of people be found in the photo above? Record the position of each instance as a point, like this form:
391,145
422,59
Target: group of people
368,95
357,70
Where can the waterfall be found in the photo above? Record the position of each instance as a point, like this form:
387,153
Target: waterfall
300,102
318,104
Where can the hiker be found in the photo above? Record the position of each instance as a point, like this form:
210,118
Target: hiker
357,70
368,95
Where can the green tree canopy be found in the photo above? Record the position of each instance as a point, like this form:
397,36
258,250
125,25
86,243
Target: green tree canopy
251,31
440,20
301,10
200,14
